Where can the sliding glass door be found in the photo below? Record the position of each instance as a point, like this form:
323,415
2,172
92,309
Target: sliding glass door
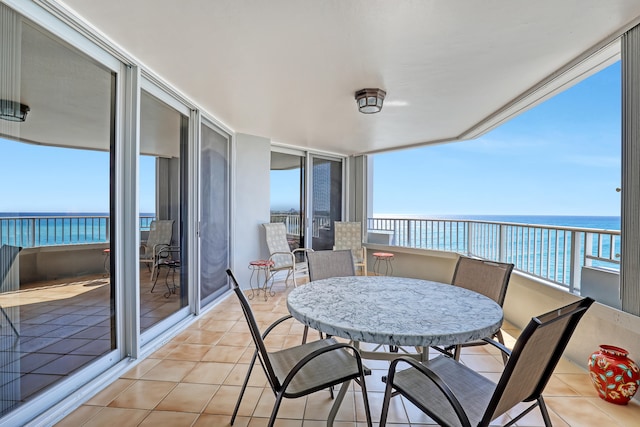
214,212
288,195
326,200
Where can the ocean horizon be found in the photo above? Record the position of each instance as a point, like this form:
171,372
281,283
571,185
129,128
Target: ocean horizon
605,222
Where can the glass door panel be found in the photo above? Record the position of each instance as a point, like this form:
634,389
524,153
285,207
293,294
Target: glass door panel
214,213
287,195
163,147
326,201
57,297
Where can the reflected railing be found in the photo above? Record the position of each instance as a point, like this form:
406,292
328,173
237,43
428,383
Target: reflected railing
292,223
33,231
553,253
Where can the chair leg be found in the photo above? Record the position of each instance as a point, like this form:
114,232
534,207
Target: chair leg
545,413
456,352
244,386
388,393
505,359
276,406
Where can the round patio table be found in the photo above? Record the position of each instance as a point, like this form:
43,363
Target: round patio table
395,311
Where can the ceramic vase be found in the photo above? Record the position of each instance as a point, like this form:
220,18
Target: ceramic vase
614,375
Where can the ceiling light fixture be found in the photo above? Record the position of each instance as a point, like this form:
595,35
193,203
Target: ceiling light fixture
370,100
13,111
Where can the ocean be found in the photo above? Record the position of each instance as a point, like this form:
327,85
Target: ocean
31,229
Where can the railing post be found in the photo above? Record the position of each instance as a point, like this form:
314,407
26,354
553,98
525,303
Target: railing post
470,238
588,244
409,233
502,243
574,269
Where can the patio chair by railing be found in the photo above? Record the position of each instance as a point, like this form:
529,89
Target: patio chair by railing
453,394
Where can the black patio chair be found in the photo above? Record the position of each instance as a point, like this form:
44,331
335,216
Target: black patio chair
303,369
489,278
455,395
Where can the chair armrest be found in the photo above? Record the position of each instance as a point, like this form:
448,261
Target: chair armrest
274,324
309,357
305,250
435,379
497,345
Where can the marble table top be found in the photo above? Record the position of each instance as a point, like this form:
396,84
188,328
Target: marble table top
395,310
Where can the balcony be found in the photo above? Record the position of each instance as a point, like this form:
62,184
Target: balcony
196,377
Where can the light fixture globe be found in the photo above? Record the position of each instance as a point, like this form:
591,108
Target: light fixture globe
370,100
13,111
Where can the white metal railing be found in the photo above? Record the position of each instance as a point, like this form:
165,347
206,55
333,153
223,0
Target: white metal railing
33,231
550,252
293,223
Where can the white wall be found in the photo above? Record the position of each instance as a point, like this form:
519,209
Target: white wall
251,203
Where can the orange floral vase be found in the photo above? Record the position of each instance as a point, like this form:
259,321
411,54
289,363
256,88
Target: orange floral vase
615,376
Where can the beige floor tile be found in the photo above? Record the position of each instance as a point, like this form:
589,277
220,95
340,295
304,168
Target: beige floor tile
141,368
209,373
107,395
143,395
224,401
625,415
169,370
192,352
579,411
207,420
121,417
187,397
581,383
483,363
224,354
79,416
168,419
205,337
239,372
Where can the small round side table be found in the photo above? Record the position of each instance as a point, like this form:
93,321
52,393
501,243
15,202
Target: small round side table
381,257
261,268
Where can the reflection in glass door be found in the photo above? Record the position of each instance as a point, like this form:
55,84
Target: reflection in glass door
287,195
214,213
163,281
326,201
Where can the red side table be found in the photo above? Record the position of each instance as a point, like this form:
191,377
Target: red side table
261,268
381,257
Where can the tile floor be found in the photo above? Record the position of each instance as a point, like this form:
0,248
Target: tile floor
63,325
194,380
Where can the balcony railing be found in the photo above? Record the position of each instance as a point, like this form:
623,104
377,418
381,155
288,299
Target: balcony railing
292,223
553,253
35,231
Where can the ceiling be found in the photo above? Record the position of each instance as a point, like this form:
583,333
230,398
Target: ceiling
288,69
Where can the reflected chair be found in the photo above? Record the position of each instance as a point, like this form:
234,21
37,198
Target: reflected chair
301,370
8,255
488,278
167,257
284,259
160,233
455,395
348,235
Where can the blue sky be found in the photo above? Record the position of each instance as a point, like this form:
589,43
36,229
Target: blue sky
559,158
40,178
